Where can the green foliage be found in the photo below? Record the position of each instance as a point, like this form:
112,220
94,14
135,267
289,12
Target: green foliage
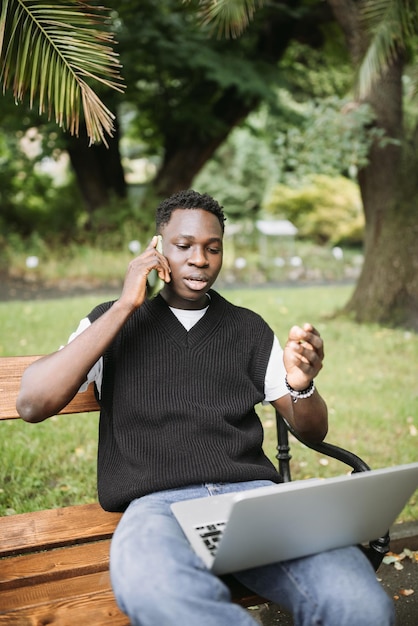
240,171
229,19
179,78
31,202
318,73
332,136
180,81
309,130
114,225
326,210
52,51
393,28
295,171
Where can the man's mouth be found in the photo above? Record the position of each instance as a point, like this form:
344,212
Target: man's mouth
196,282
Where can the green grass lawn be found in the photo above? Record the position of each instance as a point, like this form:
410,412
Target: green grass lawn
369,381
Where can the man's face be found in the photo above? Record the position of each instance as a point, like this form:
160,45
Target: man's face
192,244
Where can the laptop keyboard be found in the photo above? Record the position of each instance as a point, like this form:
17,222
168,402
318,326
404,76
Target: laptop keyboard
211,535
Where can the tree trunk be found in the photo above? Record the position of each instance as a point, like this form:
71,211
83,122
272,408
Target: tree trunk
98,170
387,289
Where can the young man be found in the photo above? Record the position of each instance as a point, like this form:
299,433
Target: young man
178,377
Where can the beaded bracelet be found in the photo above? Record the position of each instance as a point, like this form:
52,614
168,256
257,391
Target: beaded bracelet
303,393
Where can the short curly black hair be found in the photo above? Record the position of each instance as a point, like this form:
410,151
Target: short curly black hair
188,199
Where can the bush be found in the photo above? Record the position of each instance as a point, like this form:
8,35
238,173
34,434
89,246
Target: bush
30,200
325,210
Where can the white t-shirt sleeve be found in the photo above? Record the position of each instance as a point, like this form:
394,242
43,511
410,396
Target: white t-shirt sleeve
274,384
96,373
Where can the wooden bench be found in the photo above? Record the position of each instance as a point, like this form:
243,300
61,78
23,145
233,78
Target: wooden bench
54,563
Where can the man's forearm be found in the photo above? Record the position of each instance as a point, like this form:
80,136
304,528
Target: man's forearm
310,417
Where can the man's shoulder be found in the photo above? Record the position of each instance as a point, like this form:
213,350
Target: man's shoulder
100,309
145,309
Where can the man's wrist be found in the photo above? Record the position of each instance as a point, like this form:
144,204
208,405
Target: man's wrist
302,394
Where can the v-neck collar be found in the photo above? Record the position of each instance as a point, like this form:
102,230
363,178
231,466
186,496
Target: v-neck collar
200,332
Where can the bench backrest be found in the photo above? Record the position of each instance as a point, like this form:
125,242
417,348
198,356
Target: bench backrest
11,370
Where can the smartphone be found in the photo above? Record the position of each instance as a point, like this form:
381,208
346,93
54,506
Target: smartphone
154,282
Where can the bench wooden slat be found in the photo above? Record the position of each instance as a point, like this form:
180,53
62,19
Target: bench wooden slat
29,580
80,600
28,532
36,568
33,595
99,610
11,370
94,611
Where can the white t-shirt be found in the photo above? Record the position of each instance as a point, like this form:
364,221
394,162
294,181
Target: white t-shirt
274,384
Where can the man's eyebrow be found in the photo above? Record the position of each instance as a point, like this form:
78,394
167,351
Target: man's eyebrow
192,238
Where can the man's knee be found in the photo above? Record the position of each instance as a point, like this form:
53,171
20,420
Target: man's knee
362,603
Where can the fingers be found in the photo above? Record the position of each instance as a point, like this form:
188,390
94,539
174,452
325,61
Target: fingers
305,358
308,338
134,289
303,354
156,260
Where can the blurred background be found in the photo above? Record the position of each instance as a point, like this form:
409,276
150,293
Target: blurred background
298,119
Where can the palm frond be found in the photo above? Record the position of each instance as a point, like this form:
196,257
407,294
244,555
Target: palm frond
228,17
390,24
53,51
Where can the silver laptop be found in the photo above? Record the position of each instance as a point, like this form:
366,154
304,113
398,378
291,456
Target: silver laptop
236,531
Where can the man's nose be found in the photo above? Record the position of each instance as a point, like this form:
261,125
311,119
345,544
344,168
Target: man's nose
198,256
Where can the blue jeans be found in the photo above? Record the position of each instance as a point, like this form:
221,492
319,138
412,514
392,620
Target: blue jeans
158,580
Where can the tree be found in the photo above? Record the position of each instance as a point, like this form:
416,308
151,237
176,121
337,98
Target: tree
382,34
387,290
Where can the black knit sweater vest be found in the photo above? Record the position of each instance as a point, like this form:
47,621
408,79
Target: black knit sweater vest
177,407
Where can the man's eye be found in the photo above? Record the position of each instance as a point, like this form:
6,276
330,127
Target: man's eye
182,246
214,250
